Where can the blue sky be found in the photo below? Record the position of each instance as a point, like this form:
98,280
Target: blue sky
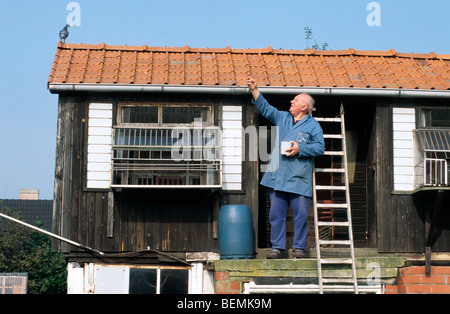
29,36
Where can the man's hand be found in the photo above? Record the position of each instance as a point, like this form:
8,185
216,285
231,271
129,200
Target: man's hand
293,150
251,83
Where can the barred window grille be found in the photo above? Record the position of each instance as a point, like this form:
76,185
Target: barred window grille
186,154
434,153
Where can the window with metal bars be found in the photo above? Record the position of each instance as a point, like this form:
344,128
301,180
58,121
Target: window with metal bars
433,143
166,145
436,169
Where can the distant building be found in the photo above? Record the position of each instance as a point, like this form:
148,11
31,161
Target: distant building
29,194
31,208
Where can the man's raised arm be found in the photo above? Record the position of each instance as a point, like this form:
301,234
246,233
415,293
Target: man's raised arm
253,87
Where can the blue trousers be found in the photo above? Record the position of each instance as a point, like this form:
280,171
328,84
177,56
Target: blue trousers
279,205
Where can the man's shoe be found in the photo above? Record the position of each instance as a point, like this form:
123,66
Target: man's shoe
274,255
299,254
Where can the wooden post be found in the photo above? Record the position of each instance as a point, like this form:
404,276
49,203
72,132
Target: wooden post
431,230
110,218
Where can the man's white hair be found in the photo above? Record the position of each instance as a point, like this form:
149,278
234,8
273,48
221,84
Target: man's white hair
309,100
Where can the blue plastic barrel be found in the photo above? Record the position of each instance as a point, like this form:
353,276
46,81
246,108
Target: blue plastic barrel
235,229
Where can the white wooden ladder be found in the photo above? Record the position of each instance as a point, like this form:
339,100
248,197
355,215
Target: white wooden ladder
329,281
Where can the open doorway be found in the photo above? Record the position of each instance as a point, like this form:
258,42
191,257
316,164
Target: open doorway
358,119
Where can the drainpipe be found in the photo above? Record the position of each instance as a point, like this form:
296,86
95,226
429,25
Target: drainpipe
241,90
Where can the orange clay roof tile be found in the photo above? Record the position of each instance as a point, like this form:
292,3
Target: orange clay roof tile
107,64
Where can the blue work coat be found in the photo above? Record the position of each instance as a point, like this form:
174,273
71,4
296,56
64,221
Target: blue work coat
291,174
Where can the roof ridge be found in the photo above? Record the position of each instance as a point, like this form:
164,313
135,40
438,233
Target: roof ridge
268,50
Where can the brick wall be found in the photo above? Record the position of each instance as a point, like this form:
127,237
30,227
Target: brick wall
223,284
413,280
410,280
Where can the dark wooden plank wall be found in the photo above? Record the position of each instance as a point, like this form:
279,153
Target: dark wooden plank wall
168,220
386,205
426,200
400,217
77,214
395,222
177,220
70,151
358,117
358,195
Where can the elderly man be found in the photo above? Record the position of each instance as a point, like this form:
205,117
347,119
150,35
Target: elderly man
289,175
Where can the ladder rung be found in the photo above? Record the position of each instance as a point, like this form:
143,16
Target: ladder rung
333,289
334,153
342,287
335,136
318,119
321,205
331,187
341,170
338,280
337,242
333,223
336,261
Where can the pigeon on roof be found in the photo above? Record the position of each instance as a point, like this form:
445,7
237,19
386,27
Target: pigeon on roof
64,33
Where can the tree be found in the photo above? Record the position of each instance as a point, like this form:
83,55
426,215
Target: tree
309,36
23,250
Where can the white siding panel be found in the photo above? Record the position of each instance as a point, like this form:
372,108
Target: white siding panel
98,122
232,124
406,171
102,114
92,184
402,161
230,133
102,131
405,179
99,140
98,166
232,178
106,158
232,147
232,169
227,142
402,145
399,135
404,115
101,106
232,160
98,176
231,186
99,149
403,126
406,153
402,187
99,145
232,109
232,115
404,122
232,151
